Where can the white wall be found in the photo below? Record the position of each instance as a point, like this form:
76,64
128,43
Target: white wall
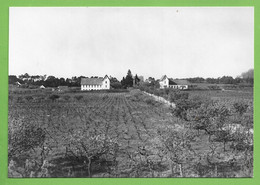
105,85
163,83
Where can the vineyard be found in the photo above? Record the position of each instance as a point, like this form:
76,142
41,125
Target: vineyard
130,134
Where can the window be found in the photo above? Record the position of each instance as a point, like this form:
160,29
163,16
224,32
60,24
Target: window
106,82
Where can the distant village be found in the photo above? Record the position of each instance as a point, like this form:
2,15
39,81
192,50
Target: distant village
108,82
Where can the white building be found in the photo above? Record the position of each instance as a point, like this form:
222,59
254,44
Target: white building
100,83
166,82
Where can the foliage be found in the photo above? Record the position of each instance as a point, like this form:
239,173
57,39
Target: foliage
24,137
129,134
78,97
54,97
128,80
66,97
240,107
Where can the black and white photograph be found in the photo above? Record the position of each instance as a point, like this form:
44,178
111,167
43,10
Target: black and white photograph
131,92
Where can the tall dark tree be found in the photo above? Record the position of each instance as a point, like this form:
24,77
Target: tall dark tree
128,80
136,80
123,83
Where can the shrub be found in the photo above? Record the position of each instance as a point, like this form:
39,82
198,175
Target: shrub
66,97
78,97
240,107
177,95
39,98
28,98
223,136
142,88
166,91
181,108
214,87
150,101
157,92
197,101
54,97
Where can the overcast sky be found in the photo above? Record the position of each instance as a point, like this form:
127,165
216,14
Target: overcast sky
176,41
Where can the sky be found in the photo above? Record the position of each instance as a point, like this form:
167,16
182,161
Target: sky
180,42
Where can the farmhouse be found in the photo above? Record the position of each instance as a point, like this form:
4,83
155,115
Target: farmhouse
166,82
99,83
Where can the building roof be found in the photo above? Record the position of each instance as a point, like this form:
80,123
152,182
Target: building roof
92,81
163,77
178,82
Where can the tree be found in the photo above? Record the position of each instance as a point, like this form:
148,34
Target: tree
114,83
212,80
43,77
151,82
68,81
51,81
136,80
227,80
248,76
123,82
176,146
240,107
13,79
238,80
128,80
196,80
62,81
26,75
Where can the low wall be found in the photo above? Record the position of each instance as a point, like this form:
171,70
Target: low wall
161,99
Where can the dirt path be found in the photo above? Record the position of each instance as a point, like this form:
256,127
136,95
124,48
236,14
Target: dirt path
161,99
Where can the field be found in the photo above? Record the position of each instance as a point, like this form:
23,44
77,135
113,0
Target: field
129,134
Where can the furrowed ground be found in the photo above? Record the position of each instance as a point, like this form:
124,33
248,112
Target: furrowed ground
126,134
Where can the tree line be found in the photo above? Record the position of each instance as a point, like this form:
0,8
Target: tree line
51,81
246,77
129,80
